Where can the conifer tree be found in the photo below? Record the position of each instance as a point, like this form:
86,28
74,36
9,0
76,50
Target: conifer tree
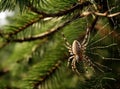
33,52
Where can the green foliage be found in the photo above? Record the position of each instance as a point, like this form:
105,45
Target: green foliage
32,49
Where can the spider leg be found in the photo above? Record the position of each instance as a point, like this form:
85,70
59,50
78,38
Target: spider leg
95,66
69,59
67,43
102,47
73,64
70,51
89,62
68,47
86,38
86,68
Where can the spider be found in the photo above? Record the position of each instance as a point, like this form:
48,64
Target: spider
78,53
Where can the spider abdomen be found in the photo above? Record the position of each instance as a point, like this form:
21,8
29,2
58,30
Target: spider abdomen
77,50
76,47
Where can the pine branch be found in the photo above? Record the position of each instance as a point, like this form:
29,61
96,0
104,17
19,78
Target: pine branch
49,73
11,5
23,27
60,13
42,71
44,15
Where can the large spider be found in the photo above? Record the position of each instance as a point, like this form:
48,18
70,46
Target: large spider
78,53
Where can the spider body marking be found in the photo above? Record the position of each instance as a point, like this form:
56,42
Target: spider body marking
77,50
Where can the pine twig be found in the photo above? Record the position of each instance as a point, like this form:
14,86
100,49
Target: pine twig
47,33
25,26
105,14
49,73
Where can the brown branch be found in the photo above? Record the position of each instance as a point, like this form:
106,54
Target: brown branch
47,33
44,15
94,23
100,14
